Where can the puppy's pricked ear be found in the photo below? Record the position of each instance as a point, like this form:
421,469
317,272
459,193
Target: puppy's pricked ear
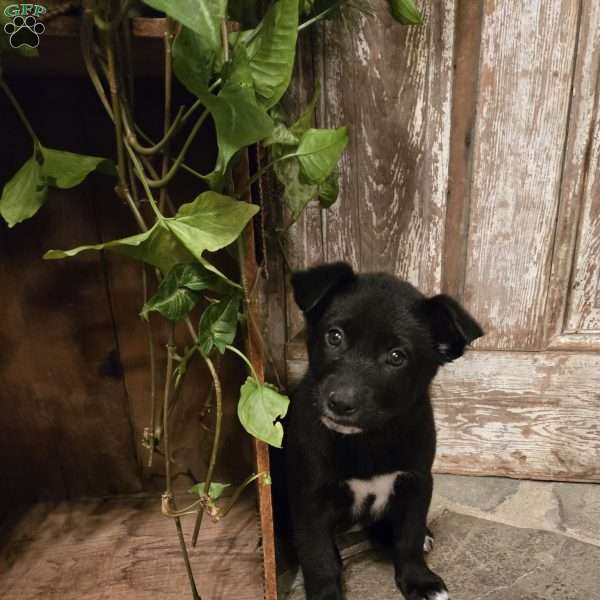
312,286
452,327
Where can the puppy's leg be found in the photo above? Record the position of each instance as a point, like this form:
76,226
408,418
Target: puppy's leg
415,580
319,557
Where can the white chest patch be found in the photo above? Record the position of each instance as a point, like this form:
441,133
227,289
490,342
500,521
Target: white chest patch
380,487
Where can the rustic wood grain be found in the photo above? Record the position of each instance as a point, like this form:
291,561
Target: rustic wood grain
467,46
124,549
520,414
515,414
584,306
578,177
303,244
525,80
64,420
392,86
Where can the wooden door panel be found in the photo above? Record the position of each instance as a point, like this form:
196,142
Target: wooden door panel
522,414
392,85
522,112
584,302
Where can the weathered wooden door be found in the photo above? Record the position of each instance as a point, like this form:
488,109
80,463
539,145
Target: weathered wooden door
474,168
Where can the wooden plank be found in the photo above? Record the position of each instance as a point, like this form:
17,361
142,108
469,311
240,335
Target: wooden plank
65,425
467,46
525,81
520,414
577,189
392,85
124,549
304,241
514,414
584,306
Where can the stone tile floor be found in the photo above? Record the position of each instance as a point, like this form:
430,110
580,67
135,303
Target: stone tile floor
495,539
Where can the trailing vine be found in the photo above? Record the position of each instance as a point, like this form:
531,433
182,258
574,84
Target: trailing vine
238,76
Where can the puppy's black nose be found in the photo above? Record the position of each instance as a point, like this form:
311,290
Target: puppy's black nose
342,403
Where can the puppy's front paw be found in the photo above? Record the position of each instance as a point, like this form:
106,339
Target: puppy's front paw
417,582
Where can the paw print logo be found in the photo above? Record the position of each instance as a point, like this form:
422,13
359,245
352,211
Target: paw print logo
24,31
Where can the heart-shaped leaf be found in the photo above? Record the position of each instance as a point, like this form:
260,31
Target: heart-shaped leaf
218,324
180,290
405,12
329,189
193,63
202,16
297,194
67,169
272,51
24,194
157,247
239,120
215,491
27,191
259,409
209,223
319,151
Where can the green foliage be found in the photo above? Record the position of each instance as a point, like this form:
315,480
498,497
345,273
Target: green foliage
405,12
24,194
239,120
27,191
259,409
218,324
241,94
272,51
306,159
202,16
179,291
192,62
209,223
319,151
215,491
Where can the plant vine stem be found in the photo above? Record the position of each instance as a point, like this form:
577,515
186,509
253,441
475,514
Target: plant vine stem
167,39
245,359
150,336
238,493
18,110
158,183
144,181
116,108
320,16
87,25
216,442
167,450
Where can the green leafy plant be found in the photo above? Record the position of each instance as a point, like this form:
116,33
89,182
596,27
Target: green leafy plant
238,79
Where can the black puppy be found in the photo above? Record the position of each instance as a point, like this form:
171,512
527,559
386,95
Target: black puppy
360,433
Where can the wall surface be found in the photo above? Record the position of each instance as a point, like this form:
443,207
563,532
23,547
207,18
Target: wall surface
74,369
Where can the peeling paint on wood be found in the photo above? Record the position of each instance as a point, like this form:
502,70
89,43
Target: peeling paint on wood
525,77
520,414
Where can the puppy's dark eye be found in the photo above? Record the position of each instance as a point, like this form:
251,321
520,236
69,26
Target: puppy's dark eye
396,357
334,336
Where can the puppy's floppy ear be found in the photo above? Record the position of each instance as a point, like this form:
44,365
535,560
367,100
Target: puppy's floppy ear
452,327
312,286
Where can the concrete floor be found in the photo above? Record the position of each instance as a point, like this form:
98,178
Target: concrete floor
495,539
